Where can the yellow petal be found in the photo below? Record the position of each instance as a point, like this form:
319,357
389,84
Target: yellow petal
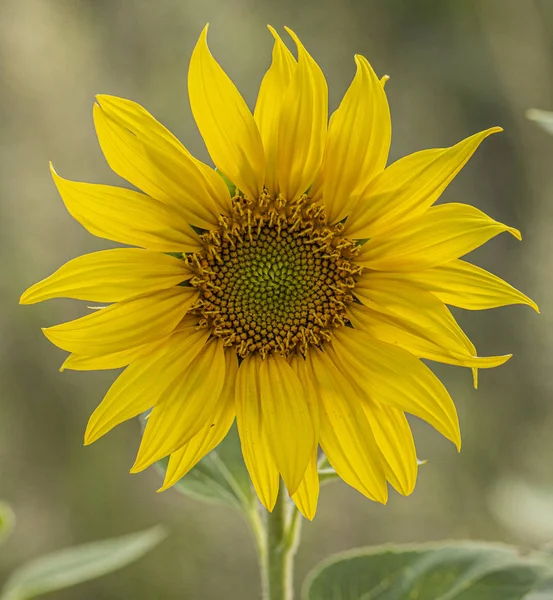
406,314
212,434
124,325
346,437
116,360
358,143
125,216
391,431
300,367
269,104
286,419
462,284
302,126
306,497
255,447
307,494
110,276
187,406
80,362
316,190
225,122
154,160
393,376
393,330
408,187
142,383
444,233
395,440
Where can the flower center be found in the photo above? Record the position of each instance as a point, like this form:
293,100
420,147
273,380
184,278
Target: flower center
274,277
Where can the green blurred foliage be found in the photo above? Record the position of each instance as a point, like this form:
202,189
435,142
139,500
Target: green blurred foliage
456,67
65,568
451,571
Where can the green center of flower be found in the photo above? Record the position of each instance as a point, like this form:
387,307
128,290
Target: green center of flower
274,277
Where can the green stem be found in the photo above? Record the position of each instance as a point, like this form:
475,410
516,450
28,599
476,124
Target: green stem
282,533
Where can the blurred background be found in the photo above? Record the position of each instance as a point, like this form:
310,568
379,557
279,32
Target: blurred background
456,67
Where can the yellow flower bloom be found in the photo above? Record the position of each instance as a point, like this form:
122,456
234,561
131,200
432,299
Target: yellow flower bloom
301,306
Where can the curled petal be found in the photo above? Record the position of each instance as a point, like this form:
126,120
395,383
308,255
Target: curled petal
143,383
253,438
110,276
187,406
302,126
269,104
124,325
358,143
399,311
125,216
444,233
306,496
393,376
286,419
225,122
212,433
465,285
346,436
408,187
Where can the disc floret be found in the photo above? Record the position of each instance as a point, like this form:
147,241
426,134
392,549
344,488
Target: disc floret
274,277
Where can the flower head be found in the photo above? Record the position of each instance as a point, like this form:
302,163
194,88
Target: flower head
300,305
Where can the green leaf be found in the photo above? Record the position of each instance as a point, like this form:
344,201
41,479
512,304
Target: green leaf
457,571
543,592
68,567
543,118
220,477
7,521
230,185
327,474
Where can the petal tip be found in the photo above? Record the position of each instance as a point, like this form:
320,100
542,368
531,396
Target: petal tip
89,437
515,233
92,432
269,502
294,36
407,490
203,34
164,487
53,171
66,363
456,439
137,468
25,297
105,101
49,334
307,515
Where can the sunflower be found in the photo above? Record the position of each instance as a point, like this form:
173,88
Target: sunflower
295,288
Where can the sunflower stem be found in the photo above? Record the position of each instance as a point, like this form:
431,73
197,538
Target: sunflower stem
282,531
